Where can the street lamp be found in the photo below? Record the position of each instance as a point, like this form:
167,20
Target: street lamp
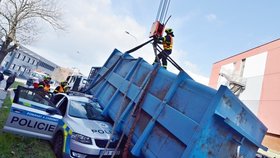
131,35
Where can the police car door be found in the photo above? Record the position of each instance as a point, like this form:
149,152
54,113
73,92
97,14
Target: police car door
32,114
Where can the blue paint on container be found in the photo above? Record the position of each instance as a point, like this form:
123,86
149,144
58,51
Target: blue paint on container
180,117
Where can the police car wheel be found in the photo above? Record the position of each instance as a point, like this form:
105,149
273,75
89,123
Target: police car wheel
58,145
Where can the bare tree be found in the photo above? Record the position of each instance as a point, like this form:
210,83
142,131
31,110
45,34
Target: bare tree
20,20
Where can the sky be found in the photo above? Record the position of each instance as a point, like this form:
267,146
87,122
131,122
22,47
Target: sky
205,31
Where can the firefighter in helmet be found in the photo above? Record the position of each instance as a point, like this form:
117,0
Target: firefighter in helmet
167,42
61,87
45,84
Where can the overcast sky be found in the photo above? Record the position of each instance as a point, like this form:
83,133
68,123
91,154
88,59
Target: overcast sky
205,31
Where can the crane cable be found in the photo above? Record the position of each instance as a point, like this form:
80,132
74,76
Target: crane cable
139,46
162,10
159,49
161,17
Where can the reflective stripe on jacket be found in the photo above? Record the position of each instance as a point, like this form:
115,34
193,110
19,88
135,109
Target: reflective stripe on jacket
47,88
167,42
44,86
59,89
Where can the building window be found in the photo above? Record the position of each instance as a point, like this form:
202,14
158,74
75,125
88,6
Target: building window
6,64
12,66
23,57
45,65
19,68
22,69
16,67
18,55
33,62
28,60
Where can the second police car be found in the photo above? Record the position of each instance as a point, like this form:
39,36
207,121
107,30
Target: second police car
73,124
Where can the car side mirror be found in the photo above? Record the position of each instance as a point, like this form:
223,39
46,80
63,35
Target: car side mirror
52,111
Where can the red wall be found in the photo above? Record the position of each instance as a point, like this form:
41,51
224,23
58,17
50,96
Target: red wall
269,108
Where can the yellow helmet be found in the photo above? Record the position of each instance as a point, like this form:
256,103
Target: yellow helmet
169,31
47,78
63,83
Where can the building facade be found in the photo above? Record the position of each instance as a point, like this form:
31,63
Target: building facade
258,70
23,61
62,73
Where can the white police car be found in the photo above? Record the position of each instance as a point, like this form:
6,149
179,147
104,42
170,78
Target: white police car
73,124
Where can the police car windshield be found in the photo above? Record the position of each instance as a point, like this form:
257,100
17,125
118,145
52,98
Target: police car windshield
86,110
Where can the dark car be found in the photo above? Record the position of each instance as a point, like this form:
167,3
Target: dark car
29,82
7,72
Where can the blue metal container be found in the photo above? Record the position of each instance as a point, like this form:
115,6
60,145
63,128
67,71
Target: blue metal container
180,117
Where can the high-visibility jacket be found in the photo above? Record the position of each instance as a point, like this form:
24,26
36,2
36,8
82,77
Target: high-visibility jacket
45,86
59,89
36,83
167,42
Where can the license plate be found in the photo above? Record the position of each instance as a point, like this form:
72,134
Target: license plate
109,152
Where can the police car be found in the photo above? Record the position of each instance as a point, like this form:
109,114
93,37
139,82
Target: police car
73,124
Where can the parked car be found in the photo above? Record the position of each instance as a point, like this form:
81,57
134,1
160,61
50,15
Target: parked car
7,72
73,124
35,76
29,82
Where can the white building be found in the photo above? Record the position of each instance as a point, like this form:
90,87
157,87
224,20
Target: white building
23,61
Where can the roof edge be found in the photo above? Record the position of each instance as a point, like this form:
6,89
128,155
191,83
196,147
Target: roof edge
248,50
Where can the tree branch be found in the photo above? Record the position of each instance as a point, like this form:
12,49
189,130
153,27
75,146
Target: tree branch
12,48
21,18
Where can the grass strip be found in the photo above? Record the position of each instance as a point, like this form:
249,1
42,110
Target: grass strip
15,146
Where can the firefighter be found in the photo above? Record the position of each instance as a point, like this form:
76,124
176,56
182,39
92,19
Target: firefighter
61,87
45,84
167,42
36,83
